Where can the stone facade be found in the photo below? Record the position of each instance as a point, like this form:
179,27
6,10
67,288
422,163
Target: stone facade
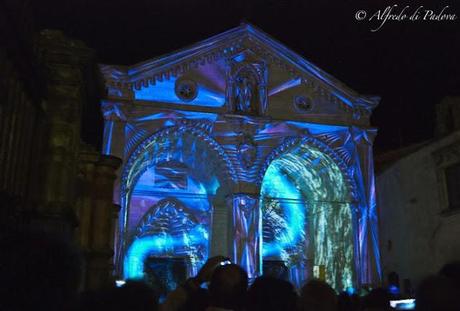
50,180
419,228
204,134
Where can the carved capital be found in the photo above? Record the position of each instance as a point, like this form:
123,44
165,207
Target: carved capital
363,136
113,111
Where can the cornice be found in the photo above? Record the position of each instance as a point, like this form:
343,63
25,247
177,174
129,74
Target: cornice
232,42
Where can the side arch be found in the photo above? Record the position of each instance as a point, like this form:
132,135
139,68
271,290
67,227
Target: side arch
292,141
186,127
168,229
205,165
308,210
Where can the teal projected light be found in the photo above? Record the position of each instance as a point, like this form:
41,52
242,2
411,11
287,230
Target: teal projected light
307,219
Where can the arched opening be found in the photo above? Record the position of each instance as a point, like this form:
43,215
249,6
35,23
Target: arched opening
307,218
168,237
168,189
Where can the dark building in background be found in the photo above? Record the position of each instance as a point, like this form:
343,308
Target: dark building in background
52,178
418,200
21,115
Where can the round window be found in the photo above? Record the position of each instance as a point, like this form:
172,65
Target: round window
186,89
302,103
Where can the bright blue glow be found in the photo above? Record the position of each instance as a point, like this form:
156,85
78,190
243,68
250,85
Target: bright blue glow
351,291
307,216
108,133
179,165
394,290
287,127
239,58
159,245
292,201
190,115
285,86
298,61
403,304
315,128
164,92
343,98
294,217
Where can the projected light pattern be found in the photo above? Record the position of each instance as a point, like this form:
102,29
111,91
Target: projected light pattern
166,203
167,231
194,126
164,92
307,218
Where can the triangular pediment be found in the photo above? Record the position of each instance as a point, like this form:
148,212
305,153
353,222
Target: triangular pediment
289,74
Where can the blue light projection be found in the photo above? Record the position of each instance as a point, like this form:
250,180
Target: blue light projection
189,115
285,86
306,189
108,133
177,164
164,92
307,218
168,230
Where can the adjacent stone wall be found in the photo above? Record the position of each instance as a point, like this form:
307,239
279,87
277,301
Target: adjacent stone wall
21,114
49,180
417,236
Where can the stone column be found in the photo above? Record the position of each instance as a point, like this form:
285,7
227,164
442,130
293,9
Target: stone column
220,225
247,233
367,221
100,252
63,61
83,208
87,167
96,214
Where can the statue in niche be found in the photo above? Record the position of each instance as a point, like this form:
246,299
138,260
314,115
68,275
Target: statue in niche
245,92
247,151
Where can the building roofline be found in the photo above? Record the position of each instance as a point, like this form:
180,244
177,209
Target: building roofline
131,74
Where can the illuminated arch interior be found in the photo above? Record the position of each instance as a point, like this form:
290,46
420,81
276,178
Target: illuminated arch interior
307,218
175,165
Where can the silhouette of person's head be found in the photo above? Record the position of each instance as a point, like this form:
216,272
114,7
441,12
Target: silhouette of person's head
228,287
269,293
452,271
134,296
344,302
377,299
437,293
38,271
318,295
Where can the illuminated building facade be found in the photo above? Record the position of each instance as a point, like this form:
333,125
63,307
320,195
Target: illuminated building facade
238,146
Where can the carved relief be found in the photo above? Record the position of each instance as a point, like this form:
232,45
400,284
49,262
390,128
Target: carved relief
247,152
246,84
245,92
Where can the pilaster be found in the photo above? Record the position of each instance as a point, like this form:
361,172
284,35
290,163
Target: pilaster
367,220
97,215
247,232
63,62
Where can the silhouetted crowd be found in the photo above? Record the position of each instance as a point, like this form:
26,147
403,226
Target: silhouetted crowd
41,273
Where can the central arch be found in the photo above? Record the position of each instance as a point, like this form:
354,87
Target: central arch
307,219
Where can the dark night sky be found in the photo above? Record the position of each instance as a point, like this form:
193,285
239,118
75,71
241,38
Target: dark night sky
411,65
